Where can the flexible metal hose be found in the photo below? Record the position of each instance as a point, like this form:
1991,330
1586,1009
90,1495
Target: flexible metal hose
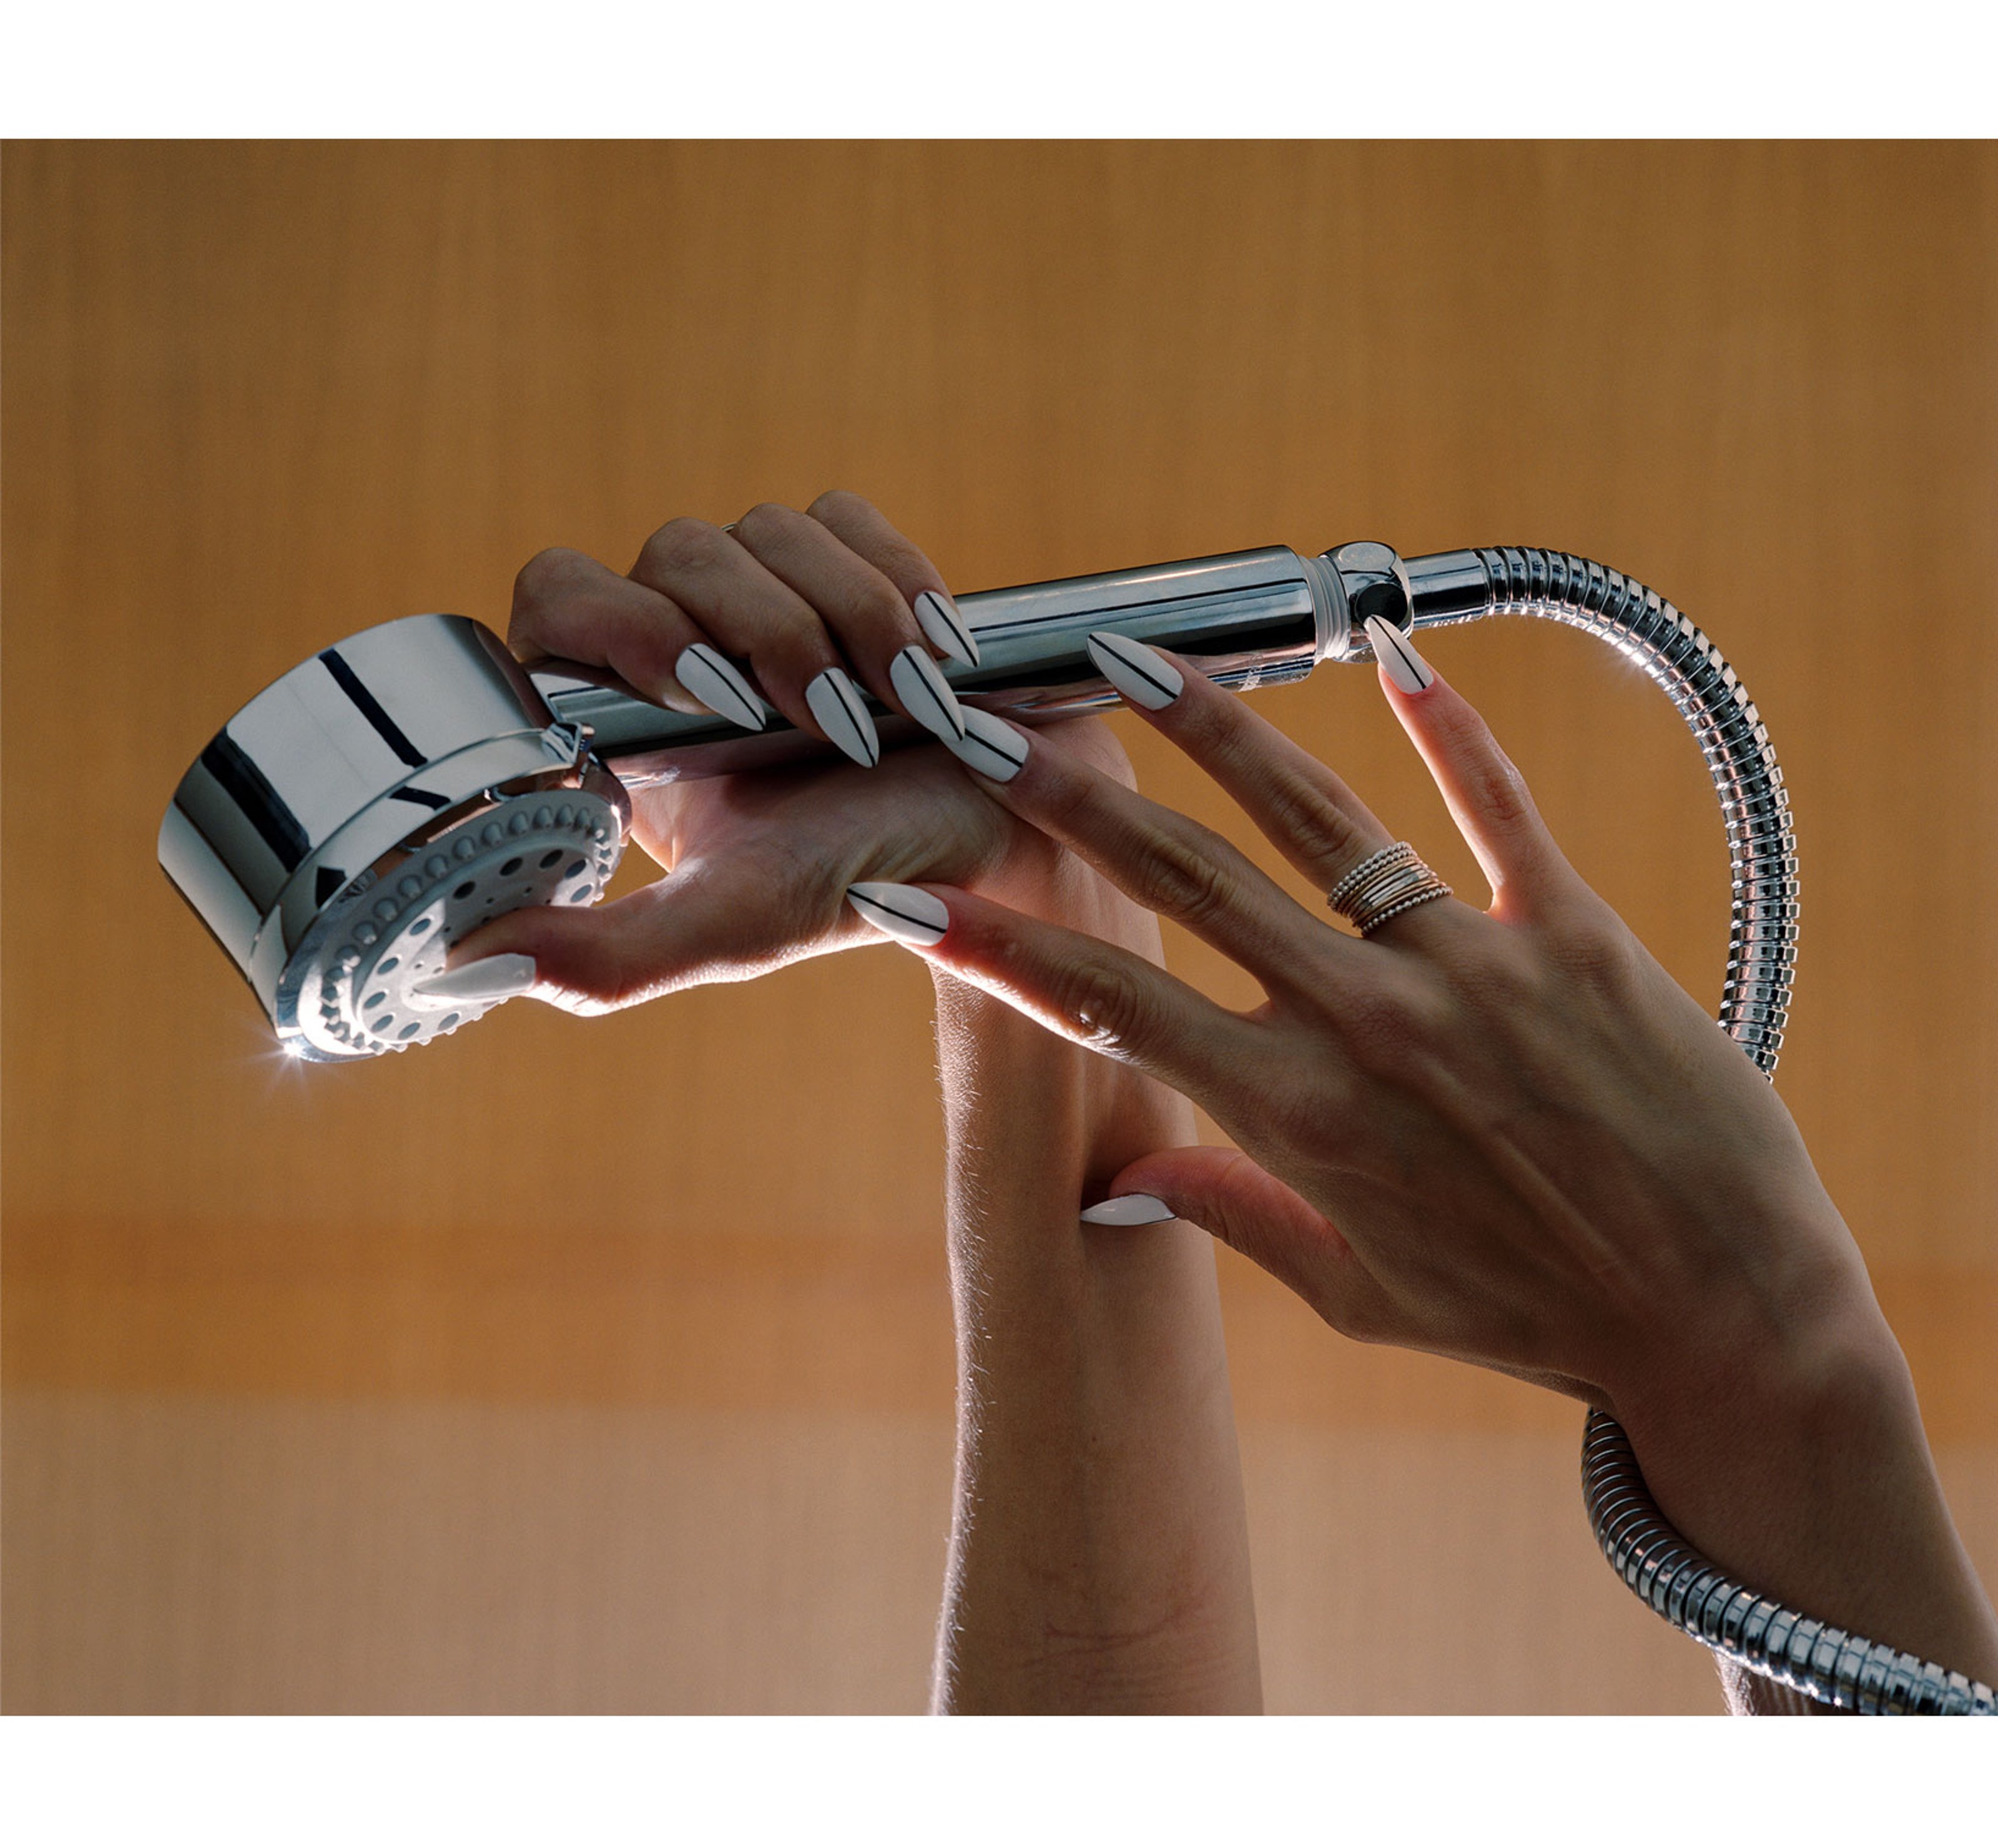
1816,1659
1519,580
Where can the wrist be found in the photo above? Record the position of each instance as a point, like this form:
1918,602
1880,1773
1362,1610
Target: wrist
1824,1386
1803,1470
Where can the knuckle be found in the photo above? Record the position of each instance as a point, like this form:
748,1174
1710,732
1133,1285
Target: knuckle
1508,980
836,502
681,545
765,520
1595,949
1490,779
1499,790
1069,800
1105,1006
1319,831
545,577
1183,877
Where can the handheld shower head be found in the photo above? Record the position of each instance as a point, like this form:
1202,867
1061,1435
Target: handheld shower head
372,805
368,808
377,802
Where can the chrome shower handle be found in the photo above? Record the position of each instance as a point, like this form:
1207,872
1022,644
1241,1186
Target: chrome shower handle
1250,619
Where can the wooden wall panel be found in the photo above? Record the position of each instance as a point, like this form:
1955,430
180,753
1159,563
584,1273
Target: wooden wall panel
257,396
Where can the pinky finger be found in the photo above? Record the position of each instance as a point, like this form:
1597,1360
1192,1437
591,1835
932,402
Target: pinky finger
1096,994
1487,796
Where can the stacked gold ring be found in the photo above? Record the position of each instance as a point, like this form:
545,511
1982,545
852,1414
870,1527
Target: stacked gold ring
1383,885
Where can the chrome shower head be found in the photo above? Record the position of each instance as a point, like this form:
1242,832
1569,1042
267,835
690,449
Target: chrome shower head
379,802
370,808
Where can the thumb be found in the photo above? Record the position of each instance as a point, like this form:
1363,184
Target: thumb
1247,1207
695,925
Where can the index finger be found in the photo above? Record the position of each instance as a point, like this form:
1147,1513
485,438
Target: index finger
1099,995
1168,862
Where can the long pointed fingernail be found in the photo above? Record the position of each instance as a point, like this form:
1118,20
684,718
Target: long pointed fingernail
945,627
907,912
990,746
1129,1209
1141,675
1397,654
490,979
836,703
925,694
716,682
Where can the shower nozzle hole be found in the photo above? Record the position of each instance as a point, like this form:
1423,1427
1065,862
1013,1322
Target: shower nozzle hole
466,890
383,1024
512,867
376,999
411,1030
573,867
549,859
386,964
449,1021
418,929
580,894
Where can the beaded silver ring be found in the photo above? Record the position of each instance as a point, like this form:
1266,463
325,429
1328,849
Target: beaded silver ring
1383,885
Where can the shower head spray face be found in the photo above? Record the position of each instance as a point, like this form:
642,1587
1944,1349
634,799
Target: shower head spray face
371,807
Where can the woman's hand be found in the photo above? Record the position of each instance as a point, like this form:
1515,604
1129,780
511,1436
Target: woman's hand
1505,1136
1108,1564
757,865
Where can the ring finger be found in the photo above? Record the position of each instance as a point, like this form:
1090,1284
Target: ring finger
1306,812
801,624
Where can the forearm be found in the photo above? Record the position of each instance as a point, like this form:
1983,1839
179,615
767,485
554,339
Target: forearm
1799,1462
1098,1554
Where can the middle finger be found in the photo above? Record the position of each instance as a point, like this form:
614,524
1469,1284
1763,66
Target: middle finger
800,628
1166,861
1302,808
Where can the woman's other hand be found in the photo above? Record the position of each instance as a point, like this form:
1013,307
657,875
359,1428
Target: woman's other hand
803,609
1504,1135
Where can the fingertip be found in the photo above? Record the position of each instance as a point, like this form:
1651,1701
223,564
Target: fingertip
1401,666
1128,1210
909,914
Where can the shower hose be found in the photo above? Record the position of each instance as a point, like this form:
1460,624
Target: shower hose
1816,1659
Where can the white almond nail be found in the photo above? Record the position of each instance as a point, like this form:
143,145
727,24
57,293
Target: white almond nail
490,979
1129,1209
940,621
843,717
907,912
990,746
925,694
1394,652
1141,675
714,680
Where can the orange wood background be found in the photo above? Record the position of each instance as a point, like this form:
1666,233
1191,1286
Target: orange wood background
591,1365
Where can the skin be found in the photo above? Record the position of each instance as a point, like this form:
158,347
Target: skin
1098,1556
1508,1137
1502,1135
